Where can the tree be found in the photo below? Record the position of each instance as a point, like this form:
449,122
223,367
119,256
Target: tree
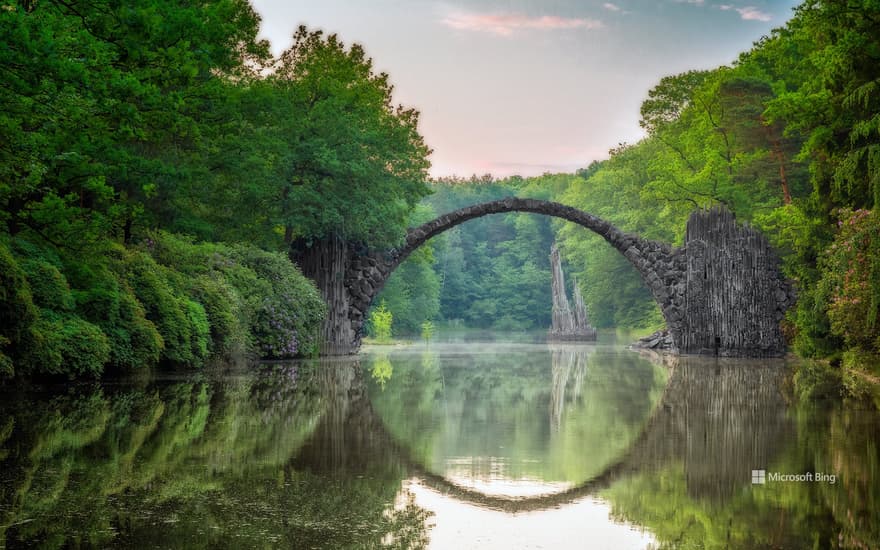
106,105
380,323
354,164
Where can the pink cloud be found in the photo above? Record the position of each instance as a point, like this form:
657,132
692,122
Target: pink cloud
751,13
507,24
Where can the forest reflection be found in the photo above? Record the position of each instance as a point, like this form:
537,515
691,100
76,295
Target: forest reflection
375,451
266,457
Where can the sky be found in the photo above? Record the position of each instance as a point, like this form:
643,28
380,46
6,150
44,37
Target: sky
524,86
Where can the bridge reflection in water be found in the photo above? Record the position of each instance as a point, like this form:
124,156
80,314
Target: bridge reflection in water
484,439
511,440
529,428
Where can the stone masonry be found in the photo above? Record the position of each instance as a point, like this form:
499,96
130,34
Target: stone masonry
720,294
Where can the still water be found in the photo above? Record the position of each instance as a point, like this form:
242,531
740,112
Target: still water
458,444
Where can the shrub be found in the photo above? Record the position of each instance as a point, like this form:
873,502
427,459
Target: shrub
253,298
290,299
274,329
17,310
106,300
851,273
200,330
66,344
48,286
168,310
224,309
380,322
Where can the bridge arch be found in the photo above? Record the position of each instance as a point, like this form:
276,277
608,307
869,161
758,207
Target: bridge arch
721,293
654,261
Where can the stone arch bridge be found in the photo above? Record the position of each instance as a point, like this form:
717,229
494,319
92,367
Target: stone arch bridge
721,293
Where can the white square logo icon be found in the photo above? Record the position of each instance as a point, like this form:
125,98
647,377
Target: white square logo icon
759,477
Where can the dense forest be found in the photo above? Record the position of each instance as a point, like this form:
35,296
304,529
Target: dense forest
158,167
156,163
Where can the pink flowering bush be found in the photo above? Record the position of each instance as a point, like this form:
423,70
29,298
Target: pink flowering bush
852,279
274,328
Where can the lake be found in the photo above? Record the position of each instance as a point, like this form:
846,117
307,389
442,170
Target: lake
475,441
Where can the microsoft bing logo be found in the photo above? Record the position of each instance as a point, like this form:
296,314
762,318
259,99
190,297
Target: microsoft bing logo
759,477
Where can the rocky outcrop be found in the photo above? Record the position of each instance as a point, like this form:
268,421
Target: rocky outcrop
735,294
660,341
567,324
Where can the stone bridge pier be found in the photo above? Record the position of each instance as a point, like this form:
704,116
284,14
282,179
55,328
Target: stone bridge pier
721,293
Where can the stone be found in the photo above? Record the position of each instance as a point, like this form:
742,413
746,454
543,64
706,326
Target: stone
721,293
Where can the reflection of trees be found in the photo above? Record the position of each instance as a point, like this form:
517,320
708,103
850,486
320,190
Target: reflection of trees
487,410
727,418
722,418
198,464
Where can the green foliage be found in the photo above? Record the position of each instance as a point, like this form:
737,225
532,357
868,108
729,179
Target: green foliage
170,300
380,322
252,299
65,344
354,164
17,310
106,107
290,312
105,298
851,274
427,331
48,285
223,309
167,306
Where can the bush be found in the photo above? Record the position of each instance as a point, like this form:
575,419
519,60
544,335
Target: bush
253,299
48,286
274,329
292,302
200,330
105,299
17,311
168,299
851,272
225,312
164,306
380,322
66,344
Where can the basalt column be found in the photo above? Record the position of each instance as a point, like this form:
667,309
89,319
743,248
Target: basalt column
326,262
735,295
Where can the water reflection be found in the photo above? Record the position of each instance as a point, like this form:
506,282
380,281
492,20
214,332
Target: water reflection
516,419
731,417
256,458
451,445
